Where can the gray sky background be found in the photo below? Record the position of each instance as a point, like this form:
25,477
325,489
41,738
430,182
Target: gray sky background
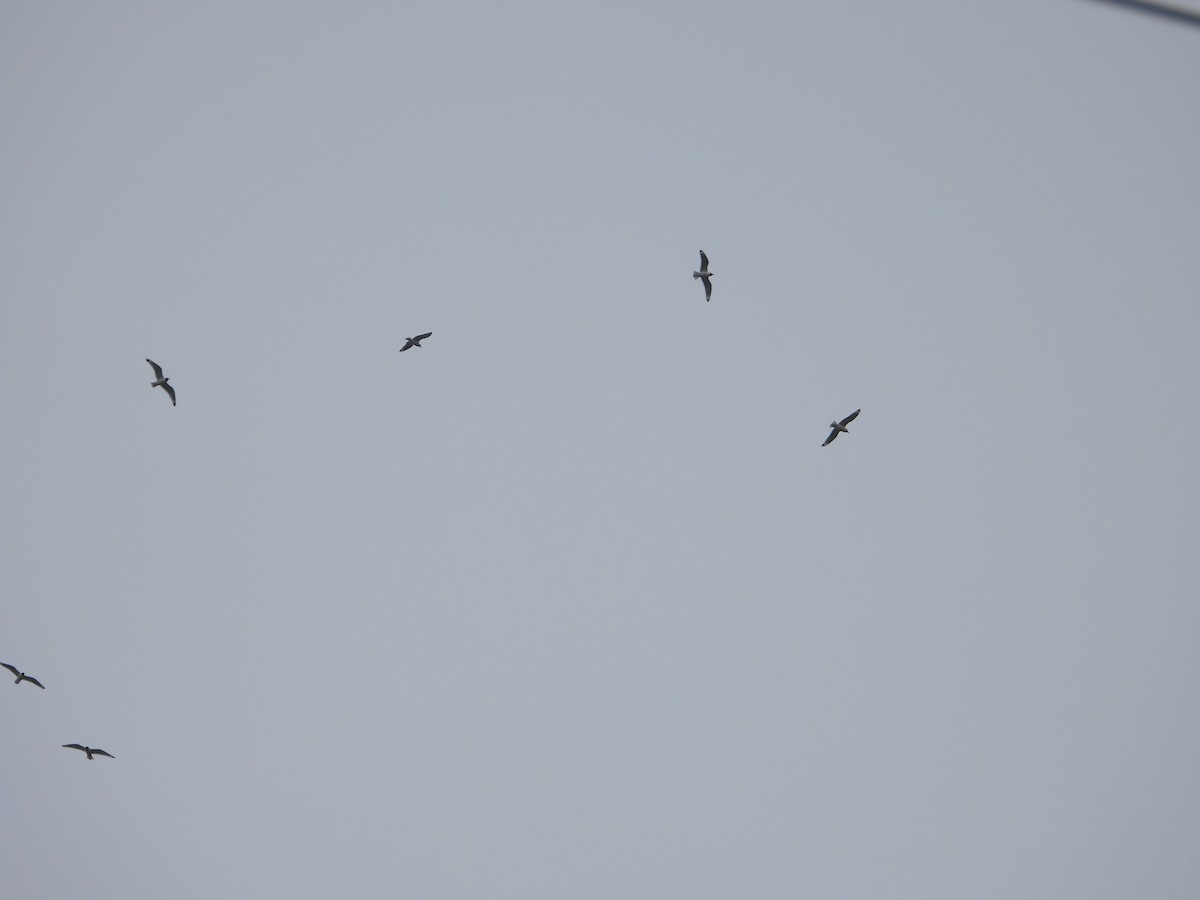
571,602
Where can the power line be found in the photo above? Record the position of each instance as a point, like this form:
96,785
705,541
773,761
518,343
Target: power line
1178,14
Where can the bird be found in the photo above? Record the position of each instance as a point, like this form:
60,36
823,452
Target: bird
89,750
704,275
415,341
161,382
21,676
840,426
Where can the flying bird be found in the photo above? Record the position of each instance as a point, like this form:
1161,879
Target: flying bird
704,275
21,676
415,341
839,427
89,750
161,382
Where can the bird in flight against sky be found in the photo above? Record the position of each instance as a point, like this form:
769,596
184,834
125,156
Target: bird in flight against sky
415,341
161,382
704,275
21,676
839,427
89,750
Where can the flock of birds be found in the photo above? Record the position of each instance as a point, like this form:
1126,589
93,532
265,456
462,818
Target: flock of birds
706,276
703,274
21,676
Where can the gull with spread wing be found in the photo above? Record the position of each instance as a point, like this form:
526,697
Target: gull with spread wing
161,382
415,341
21,676
839,427
704,275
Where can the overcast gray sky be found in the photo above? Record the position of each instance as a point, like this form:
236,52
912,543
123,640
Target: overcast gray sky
570,602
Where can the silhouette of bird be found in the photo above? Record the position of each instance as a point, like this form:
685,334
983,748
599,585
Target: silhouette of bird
21,676
90,750
839,427
415,341
161,382
704,275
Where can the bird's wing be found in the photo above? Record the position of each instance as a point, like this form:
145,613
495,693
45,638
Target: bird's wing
35,681
103,753
703,261
157,369
76,747
850,418
829,439
407,345
707,287
170,390
421,337
12,669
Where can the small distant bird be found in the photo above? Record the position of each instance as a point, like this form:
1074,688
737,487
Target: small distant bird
89,750
21,676
415,341
839,427
704,275
161,382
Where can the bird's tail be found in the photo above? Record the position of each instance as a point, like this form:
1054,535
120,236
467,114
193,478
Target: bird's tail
695,275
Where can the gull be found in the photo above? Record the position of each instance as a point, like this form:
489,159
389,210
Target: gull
704,275
21,676
841,426
415,341
89,750
161,382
